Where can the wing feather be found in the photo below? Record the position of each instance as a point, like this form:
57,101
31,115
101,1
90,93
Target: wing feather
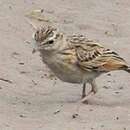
94,57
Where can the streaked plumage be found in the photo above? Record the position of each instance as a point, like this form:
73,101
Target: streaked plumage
75,58
94,57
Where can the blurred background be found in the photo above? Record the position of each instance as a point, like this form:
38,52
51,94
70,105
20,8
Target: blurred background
31,98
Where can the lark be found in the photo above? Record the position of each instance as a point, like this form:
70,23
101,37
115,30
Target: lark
75,58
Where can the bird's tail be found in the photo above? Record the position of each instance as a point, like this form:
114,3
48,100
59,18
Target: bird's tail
128,69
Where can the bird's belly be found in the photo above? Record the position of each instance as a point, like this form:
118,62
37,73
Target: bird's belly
71,77
67,73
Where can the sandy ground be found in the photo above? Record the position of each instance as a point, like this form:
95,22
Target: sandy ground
31,100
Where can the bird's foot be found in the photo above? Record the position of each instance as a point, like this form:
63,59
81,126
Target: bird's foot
85,102
83,96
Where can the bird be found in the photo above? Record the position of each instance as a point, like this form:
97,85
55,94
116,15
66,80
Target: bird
75,58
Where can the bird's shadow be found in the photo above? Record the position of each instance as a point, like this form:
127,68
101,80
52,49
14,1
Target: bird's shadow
96,102
108,104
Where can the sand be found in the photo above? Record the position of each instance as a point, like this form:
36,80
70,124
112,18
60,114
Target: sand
32,100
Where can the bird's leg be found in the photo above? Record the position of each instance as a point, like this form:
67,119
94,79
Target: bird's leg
94,87
84,93
84,100
84,90
93,91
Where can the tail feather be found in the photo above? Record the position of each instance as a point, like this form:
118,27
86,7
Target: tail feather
128,69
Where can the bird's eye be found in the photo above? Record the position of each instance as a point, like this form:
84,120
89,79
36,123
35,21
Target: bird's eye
51,42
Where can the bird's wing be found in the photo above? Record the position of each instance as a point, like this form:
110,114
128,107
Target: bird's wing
91,56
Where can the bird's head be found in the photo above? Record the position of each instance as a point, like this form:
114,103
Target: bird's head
47,39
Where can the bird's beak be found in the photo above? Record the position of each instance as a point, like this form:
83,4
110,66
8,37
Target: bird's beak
34,50
35,47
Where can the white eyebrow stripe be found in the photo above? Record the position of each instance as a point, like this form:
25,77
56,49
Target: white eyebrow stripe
33,35
53,37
